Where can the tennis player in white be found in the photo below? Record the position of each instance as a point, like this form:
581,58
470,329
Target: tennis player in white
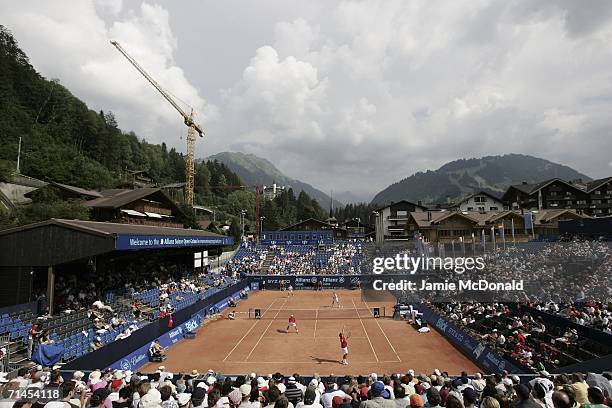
335,300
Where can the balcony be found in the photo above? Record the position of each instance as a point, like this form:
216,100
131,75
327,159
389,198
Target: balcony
397,217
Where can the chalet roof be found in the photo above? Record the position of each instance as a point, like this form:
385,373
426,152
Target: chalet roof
533,188
113,191
595,184
481,192
400,202
122,198
545,216
487,218
77,190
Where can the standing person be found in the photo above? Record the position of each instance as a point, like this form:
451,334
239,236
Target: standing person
292,323
35,333
290,290
335,299
343,348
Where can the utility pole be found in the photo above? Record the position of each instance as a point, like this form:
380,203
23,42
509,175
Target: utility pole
19,156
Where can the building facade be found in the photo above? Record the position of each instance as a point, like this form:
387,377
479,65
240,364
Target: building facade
549,194
273,191
599,197
481,202
391,220
145,206
449,226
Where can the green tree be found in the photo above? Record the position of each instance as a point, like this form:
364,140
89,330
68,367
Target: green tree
235,229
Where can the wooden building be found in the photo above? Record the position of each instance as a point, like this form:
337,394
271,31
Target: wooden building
145,206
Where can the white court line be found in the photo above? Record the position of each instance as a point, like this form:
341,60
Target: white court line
385,334
318,337
365,331
314,335
306,362
264,332
247,333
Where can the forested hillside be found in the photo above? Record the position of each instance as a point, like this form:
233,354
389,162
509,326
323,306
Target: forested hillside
459,178
65,141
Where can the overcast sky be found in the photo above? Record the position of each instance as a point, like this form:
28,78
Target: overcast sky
346,95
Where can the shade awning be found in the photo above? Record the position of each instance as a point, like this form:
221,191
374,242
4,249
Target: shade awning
153,215
133,213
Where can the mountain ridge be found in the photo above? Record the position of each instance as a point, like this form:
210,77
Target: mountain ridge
255,170
458,178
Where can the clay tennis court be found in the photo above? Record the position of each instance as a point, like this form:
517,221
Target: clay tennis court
261,345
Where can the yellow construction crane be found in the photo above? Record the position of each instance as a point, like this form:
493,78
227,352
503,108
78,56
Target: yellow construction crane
188,119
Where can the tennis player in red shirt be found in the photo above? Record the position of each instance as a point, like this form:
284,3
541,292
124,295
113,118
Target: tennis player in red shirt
344,348
292,323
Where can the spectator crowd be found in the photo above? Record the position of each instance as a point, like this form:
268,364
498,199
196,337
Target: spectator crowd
163,389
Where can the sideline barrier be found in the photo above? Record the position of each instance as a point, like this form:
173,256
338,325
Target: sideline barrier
305,281
114,354
477,351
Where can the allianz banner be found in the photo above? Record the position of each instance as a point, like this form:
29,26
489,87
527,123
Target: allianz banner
306,281
481,354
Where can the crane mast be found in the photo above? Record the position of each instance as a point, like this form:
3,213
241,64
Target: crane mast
188,119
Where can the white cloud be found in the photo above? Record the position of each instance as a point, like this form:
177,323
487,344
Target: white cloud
411,85
72,42
112,7
348,95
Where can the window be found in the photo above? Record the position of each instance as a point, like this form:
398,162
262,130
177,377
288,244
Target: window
597,192
553,193
470,208
493,208
480,199
581,202
299,237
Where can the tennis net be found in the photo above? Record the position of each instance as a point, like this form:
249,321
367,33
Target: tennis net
316,314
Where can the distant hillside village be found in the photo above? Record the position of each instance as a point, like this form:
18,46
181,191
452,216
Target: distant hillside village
524,212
